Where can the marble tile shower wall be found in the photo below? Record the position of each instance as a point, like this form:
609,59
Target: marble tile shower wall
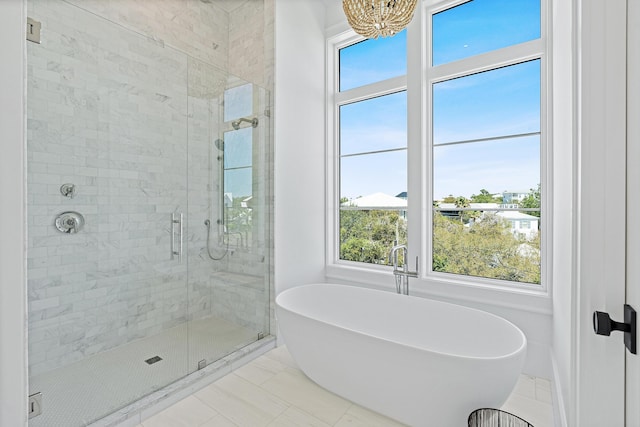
197,27
248,52
251,57
108,110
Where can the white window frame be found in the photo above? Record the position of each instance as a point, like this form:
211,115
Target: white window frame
418,82
335,100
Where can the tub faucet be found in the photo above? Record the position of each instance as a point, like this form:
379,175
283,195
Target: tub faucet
401,272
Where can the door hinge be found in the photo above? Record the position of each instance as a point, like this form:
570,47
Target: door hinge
35,405
33,30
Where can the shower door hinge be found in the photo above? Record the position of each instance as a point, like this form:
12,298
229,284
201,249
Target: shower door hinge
260,335
33,30
35,405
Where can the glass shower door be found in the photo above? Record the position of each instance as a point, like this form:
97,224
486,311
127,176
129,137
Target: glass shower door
228,258
144,262
107,177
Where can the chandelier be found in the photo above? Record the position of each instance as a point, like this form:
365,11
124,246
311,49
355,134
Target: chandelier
375,18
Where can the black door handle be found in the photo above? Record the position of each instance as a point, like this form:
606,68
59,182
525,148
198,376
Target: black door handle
603,325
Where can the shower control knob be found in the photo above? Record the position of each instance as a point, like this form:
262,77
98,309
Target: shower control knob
68,190
69,222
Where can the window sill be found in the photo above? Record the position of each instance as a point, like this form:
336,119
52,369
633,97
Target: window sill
450,290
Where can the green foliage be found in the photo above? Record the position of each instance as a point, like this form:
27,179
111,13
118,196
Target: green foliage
465,216
485,197
485,249
532,201
449,199
368,235
238,218
472,244
461,202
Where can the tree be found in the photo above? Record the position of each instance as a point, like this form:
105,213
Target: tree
485,249
485,197
449,199
532,200
461,202
368,235
465,216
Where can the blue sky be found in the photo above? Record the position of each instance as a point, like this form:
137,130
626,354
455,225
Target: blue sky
238,144
492,104
238,155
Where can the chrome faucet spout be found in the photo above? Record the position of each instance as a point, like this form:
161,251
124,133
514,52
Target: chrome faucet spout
393,255
401,273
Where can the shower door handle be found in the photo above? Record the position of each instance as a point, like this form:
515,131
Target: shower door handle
176,233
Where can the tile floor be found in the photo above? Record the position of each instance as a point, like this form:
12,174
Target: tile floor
77,394
271,391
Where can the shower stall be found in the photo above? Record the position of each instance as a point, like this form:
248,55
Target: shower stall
149,189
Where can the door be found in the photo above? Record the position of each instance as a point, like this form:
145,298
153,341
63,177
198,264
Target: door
601,139
633,202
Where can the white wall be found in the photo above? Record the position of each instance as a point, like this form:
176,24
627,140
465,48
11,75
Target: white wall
299,143
13,352
563,225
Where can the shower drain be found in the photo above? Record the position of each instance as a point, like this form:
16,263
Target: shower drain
153,360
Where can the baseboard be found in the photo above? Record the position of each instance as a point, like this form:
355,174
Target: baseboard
559,408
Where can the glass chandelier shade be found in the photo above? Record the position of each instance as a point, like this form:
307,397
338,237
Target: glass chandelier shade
376,18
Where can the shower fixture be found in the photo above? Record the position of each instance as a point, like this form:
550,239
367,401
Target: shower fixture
236,124
219,143
207,223
68,190
70,222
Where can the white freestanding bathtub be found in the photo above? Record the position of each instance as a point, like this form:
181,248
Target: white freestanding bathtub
419,361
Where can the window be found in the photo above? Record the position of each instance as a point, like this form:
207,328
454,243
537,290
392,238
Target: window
236,154
372,117
479,213
480,26
486,137
360,62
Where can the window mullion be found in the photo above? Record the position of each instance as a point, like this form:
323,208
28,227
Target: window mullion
511,55
361,93
416,134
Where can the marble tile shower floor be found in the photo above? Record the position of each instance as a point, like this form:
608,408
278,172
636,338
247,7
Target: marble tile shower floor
77,394
271,391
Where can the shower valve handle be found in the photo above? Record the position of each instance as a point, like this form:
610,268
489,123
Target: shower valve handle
69,222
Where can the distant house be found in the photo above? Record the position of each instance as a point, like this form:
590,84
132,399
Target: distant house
379,201
228,200
512,197
450,210
246,203
521,224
